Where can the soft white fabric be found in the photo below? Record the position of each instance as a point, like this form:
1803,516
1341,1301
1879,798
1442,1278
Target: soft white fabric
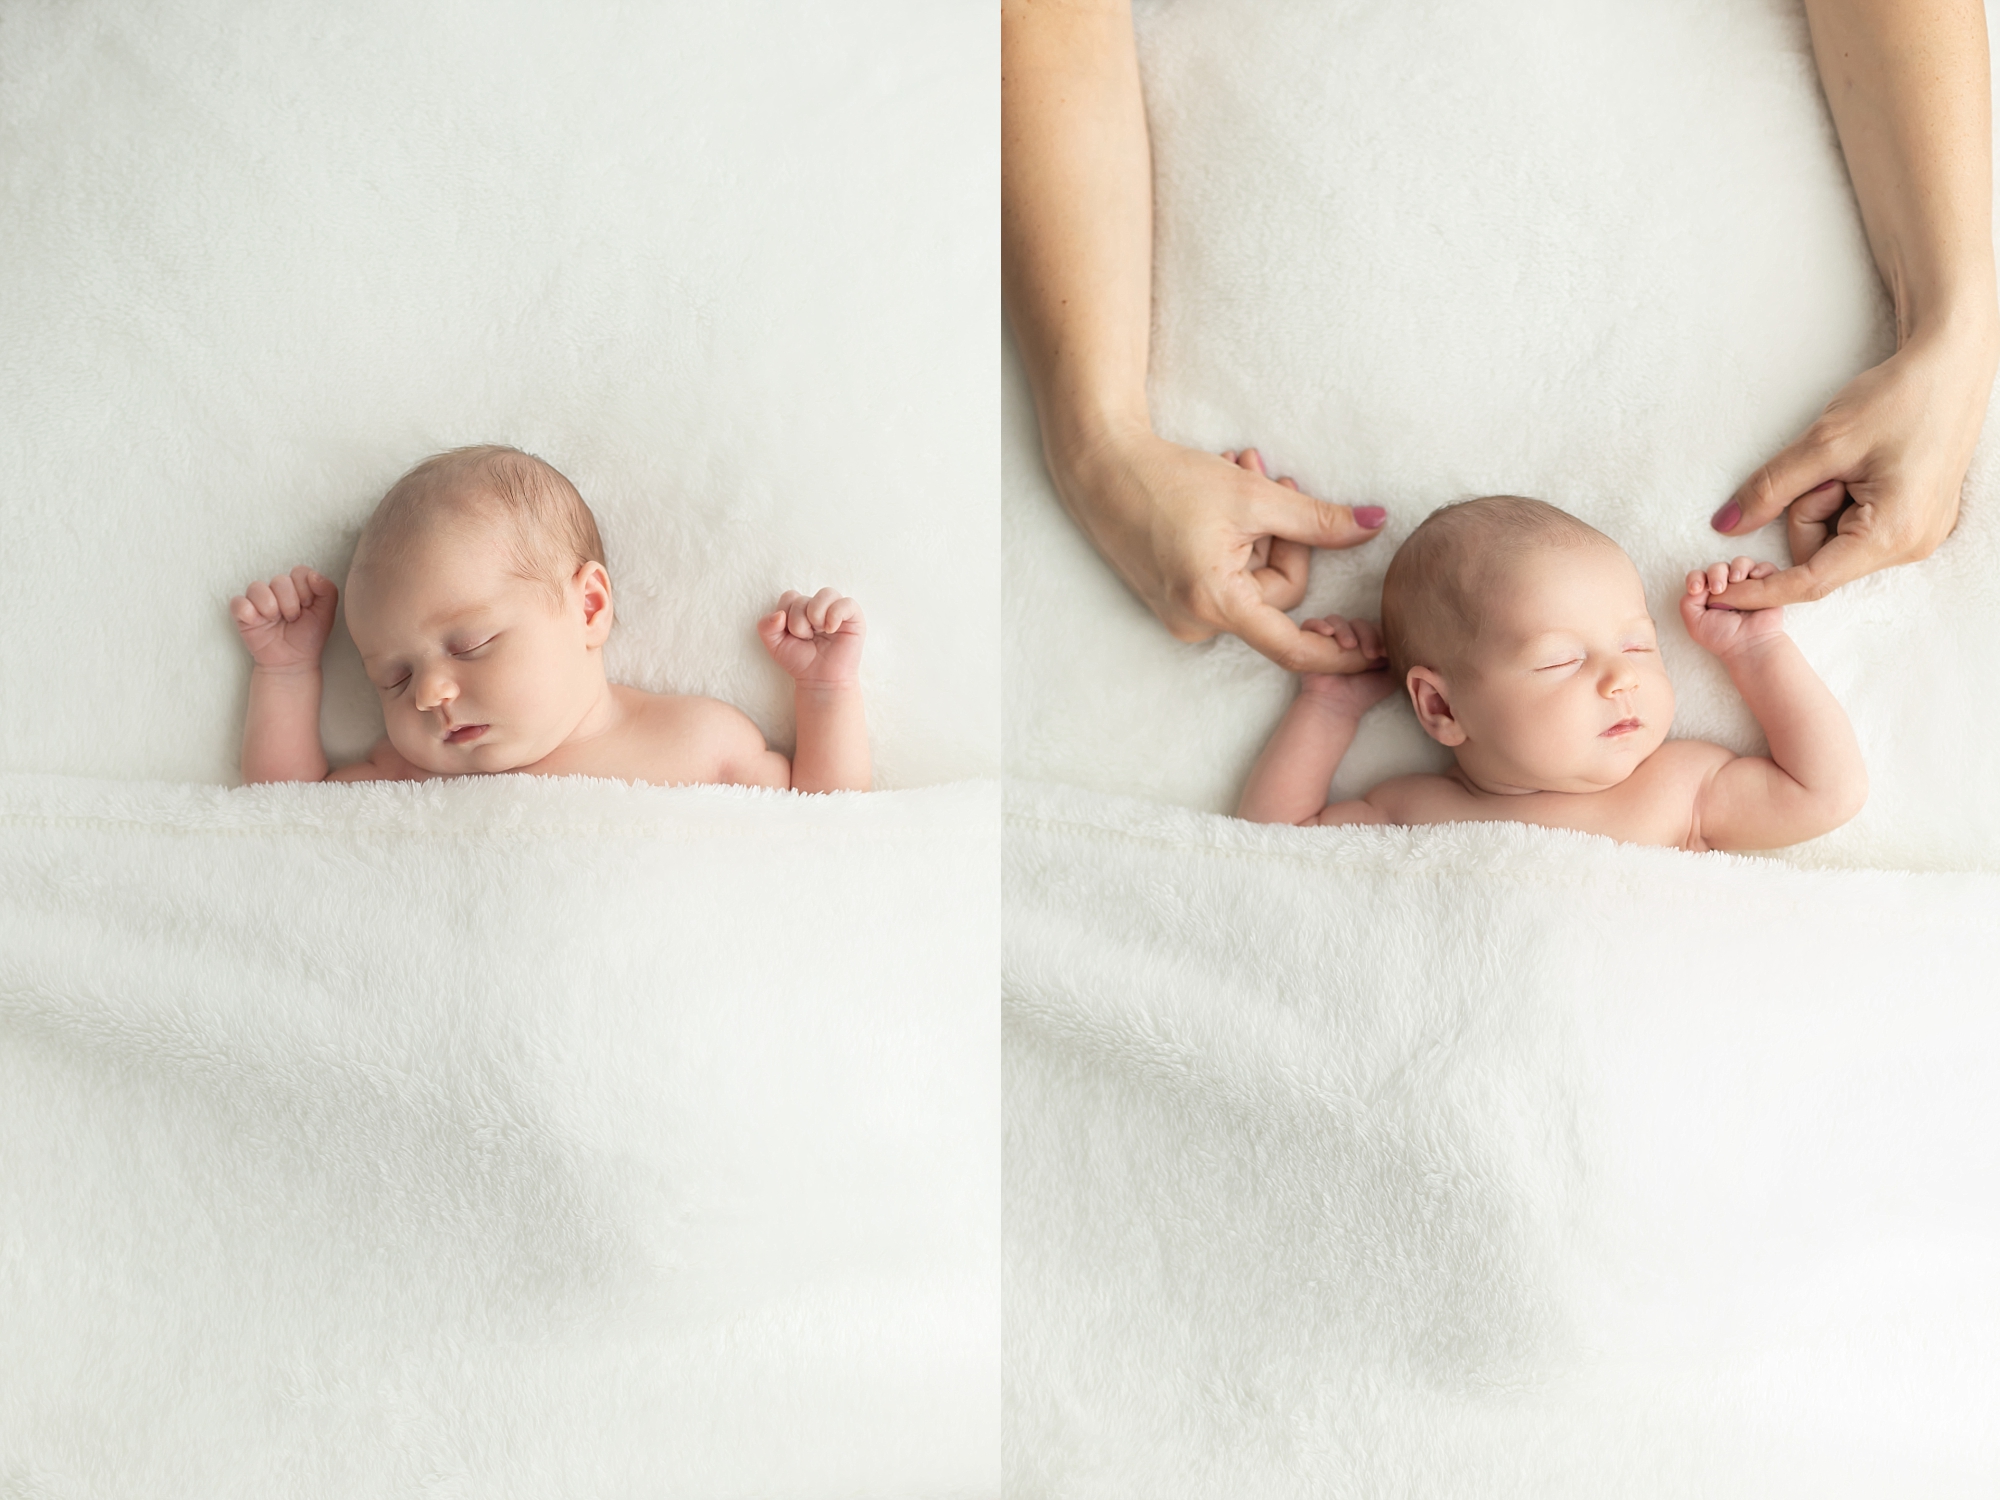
1607,255
733,268
497,1137
1487,1162
1492,1161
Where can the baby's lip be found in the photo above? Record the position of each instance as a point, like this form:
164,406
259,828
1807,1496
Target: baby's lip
1622,727
465,732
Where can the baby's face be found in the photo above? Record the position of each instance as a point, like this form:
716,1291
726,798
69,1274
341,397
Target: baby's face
1563,691
476,668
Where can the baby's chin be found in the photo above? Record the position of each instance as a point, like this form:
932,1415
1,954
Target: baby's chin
1596,767
489,755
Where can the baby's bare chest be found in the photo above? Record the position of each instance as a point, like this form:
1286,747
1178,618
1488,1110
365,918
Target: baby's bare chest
1654,805
661,747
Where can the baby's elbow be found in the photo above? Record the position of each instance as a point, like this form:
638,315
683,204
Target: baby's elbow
1840,803
1851,798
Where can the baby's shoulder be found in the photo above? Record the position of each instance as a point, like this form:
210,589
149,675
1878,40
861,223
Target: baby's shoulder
685,737
688,721
1661,796
1422,797
1693,761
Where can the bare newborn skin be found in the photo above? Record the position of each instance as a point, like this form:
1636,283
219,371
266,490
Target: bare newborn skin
1537,662
482,629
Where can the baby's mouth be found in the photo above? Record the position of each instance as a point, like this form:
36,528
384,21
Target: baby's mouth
465,733
1622,728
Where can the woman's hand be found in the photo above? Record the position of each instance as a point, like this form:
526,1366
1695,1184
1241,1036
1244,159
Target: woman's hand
1875,480
1213,544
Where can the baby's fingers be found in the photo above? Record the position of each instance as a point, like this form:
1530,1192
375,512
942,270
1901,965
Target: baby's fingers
242,611
1371,639
314,587
287,594
263,600
795,615
820,603
1718,577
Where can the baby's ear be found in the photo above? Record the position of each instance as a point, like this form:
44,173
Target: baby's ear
1428,695
595,586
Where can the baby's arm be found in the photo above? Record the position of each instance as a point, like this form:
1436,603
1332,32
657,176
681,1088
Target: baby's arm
1813,780
818,642
284,625
1288,783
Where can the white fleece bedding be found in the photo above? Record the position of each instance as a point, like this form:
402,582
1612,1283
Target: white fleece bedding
732,268
1607,255
497,1138
1491,1162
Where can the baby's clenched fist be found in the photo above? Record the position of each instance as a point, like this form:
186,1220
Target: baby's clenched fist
1716,624
816,640
285,622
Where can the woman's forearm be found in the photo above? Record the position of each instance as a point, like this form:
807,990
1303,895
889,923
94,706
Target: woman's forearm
1076,216
1907,81
281,727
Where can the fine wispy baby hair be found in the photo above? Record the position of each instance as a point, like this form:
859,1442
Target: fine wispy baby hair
551,530
1431,594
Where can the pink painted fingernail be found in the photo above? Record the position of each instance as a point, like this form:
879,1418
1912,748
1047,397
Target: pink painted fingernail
1727,517
1368,517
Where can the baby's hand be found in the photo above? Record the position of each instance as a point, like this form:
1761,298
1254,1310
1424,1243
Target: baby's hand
285,622
816,640
1718,626
1361,686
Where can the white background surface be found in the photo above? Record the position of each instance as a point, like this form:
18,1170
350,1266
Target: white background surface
733,269
1603,255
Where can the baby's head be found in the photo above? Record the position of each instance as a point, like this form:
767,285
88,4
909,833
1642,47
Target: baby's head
1523,639
480,603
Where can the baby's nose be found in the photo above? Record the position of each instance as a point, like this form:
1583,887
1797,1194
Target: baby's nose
433,689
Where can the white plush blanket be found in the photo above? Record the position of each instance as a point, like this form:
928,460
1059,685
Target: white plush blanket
509,1138
1607,255
497,1138
732,268
1491,1162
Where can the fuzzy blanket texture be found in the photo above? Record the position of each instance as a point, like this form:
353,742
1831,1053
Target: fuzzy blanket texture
507,1137
733,269
1491,1162
476,1138
1605,255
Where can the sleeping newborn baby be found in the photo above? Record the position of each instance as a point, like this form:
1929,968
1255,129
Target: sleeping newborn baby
480,602
1522,637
